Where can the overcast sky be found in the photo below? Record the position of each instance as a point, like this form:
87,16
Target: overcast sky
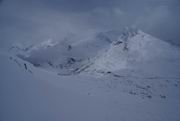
38,20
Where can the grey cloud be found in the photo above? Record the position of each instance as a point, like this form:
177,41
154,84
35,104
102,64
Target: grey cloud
37,20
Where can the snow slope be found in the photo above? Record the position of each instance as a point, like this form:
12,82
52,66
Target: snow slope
104,51
34,94
110,76
27,96
133,47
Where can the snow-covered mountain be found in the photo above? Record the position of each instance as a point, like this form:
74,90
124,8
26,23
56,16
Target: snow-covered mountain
109,76
108,51
133,47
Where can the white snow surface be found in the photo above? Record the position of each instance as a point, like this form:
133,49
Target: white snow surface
128,77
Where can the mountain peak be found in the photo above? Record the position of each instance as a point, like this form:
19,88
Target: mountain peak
110,50
129,32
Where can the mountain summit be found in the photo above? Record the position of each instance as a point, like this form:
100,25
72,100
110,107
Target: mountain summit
107,51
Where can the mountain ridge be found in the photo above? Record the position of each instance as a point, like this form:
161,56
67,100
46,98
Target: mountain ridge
107,51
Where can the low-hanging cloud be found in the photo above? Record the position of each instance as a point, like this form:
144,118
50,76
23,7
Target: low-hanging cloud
38,20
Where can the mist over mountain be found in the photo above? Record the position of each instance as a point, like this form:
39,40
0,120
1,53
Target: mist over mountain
89,60
110,50
39,20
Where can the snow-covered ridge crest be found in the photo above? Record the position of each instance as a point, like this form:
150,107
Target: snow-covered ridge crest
134,46
26,49
108,51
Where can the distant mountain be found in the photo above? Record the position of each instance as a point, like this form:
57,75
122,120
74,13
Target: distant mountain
103,51
132,47
108,76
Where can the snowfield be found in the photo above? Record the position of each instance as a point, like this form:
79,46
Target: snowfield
110,76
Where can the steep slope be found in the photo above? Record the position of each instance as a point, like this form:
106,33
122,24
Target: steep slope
135,47
105,51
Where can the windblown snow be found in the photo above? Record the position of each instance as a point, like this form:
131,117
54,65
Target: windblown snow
124,75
